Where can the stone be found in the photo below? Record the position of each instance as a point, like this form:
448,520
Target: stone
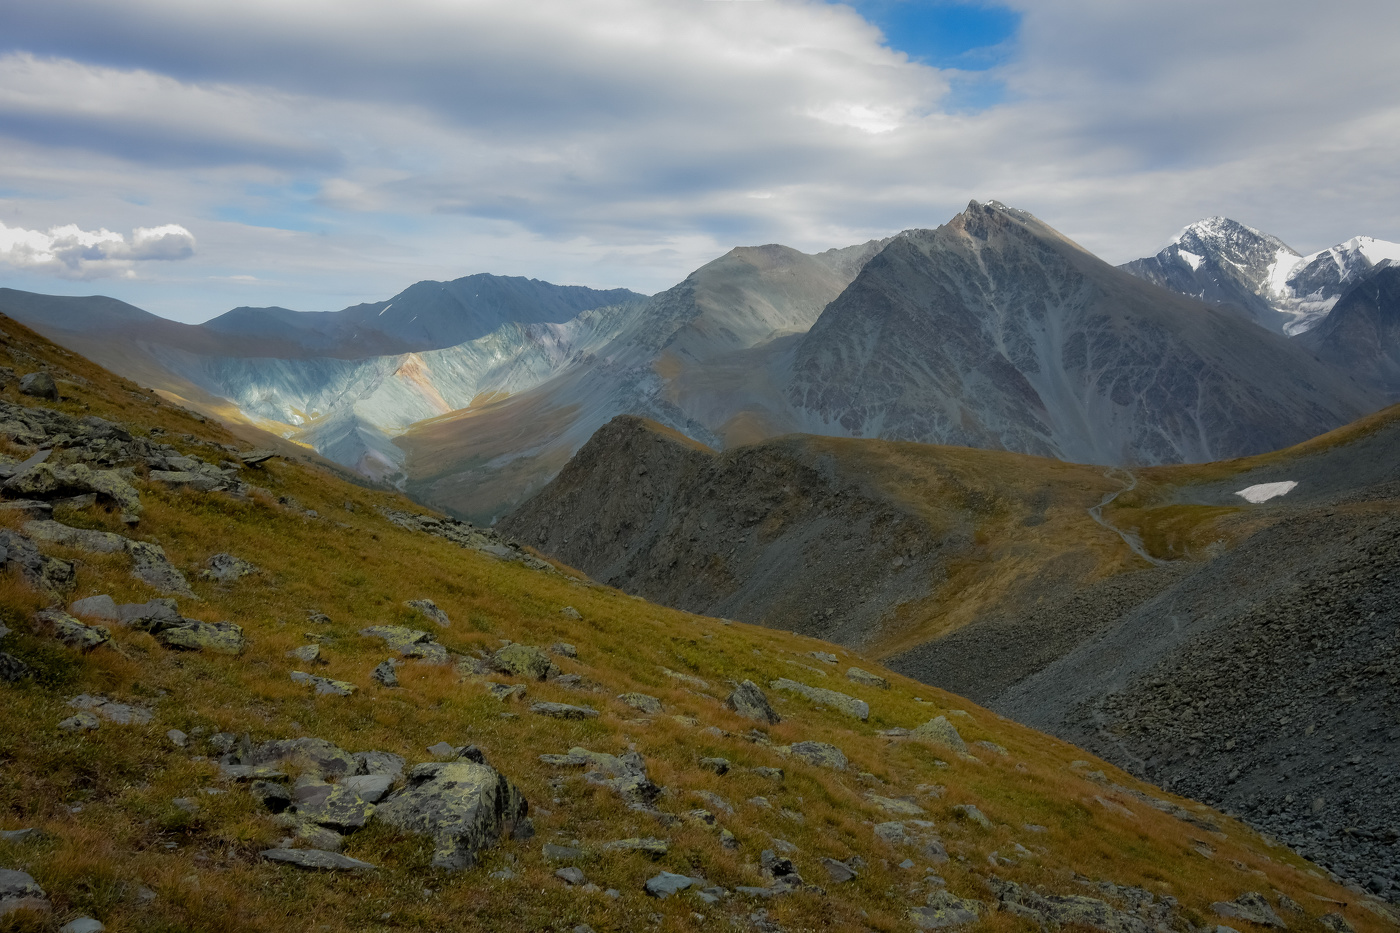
564,650
655,848
717,765
716,801
946,910
838,872
75,634
96,607
384,674
19,891
969,812
641,702
668,883
20,835
341,808
1250,906
506,692
895,805
309,654
994,748
150,616
312,754
748,700
772,774
317,860
464,806
686,679
523,661
152,567
194,635
379,763
408,642
48,574
554,853
571,875
80,722
271,795
82,925
324,686
1336,923
82,539
445,750
430,610
820,754
39,385
848,705
225,568
1052,911
940,731
865,678
569,612
121,713
563,711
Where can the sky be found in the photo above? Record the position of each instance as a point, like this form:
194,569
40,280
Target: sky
190,157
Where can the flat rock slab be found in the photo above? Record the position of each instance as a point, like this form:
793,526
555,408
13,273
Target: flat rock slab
324,686
409,642
194,635
524,661
642,702
120,713
317,860
820,754
857,676
668,883
465,806
563,711
849,705
430,610
323,757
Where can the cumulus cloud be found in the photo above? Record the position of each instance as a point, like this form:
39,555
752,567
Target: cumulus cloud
71,251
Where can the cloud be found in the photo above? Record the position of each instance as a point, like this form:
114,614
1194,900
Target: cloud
73,252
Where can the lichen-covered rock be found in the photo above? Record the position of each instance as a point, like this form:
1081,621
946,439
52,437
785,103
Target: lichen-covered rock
524,661
895,805
465,806
194,635
73,633
82,539
379,763
323,757
641,702
719,766
668,883
39,385
317,860
307,654
849,705
747,700
563,711
342,808
80,722
656,848
150,565
857,676
225,568
432,611
121,713
409,642
324,686
384,674
19,891
820,754
940,731
945,910
12,669
1251,906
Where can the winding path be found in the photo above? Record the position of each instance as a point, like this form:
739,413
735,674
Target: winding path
1129,538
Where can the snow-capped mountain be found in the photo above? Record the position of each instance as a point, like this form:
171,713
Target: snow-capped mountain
1222,261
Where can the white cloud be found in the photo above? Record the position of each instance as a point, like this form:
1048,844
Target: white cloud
73,252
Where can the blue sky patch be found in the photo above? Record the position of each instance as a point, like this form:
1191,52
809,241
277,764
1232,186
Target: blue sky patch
945,34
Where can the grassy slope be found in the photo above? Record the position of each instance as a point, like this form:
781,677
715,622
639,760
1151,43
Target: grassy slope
105,797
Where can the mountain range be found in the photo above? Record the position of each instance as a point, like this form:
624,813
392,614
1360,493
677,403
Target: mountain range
992,331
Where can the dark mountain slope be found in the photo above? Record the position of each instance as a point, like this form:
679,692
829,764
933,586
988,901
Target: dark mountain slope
1361,335
995,331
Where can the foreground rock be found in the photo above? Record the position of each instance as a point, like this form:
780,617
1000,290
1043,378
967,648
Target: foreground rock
19,891
939,731
838,701
465,806
317,860
409,642
225,568
747,700
624,775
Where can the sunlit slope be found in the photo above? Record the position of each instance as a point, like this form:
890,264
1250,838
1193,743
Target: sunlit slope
129,832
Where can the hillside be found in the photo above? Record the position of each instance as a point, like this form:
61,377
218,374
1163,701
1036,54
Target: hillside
144,759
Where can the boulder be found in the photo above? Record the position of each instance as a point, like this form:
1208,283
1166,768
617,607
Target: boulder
370,787
641,702
96,607
838,872
563,711
524,661
431,611
384,674
668,883
39,385
858,676
849,705
271,795
73,633
19,891
152,567
747,700
225,568
315,754
464,806
47,574
324,686
895,805
408,642
193,635
719,766
1250,906
317,860
81,539
379,763
341,808
945,910
820,754
940,731
12,669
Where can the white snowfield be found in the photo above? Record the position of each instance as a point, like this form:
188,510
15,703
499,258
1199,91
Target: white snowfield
1266,491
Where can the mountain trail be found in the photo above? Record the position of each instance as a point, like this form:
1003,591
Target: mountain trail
1130,538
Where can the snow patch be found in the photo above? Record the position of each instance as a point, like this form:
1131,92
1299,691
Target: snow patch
1192,259
1263,492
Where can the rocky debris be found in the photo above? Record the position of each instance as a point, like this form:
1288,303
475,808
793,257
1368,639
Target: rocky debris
1336,923
519,660
43,480
225,568
317,860
12,669
71,632
409,642
668,883
921,835
944,909
152,567
939,731
563,711
120,713
465,806
19,891
642,703
324,686
564,650
49,575
1250,906
719,766
467,535
865,678
624,775
895,805
820,754
557,853
1145,912
431,611
194,635
506,692
384,674
748,701
656,848
80,722
772,774
716,801
39,385
849,705
309,754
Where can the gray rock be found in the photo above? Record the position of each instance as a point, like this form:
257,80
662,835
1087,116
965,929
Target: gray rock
39,385
895,805
317,860
1250,906
80,722
225,568
555,853
849,705
195,635
340,807
838,872
858,676
19,891
29,834
311,754
668,883
408,642
12,669
940,731
96,607
563,711
379,763
120,713
970,812
152,567
717,765
324,686
571,875
149,616
564,650
825,657
641,702
772,774
431,611
82,925
48,574
820,754
308,654
271,795
945,910
748,700
655,848
506,692
445,750
569,612
71,632
384,674
523,661
464,806
1336,923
